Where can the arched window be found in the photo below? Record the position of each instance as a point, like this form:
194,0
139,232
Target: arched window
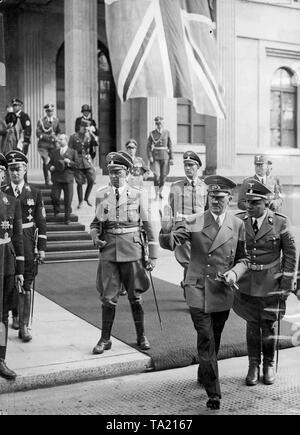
283,109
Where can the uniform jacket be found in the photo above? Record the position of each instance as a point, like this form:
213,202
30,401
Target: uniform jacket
78,122
26,126
63,173
81,144
185,199
159,145
272,183
11,227
33,212
133,211
213,251
273,241
46,127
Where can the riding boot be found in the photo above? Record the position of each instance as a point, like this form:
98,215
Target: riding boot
138,317
108,317
24,316
5,372
46,174
254,353
268,348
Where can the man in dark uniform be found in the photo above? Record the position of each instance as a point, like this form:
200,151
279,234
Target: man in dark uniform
11,263
263,167
268,281
46,132
34,232
160,155
86,111
187,197
23,126
218,260
85,171
121,216
62,165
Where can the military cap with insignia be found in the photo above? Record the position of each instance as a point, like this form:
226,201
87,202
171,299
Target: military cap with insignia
118,160
219,185
158,118
260,159
256,190
126,155
15,156
190,156
3,162
49,106
16,102
85,108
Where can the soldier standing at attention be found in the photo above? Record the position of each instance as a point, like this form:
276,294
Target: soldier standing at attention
139,170
23,126
187,197
160,155
218,260
47,131
11,262
34,232
122,214
268,281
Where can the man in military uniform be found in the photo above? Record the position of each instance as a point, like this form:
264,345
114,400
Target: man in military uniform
139,171
85,171
268,281
160,155
122,219
218,260
262,174
23,126
187,197
11,263
46,132
34,232
86,111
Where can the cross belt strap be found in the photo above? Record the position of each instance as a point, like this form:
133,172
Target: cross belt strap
29,225
122,230
5,241
259,267
161,148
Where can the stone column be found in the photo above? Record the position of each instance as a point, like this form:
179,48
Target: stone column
81,65
221,134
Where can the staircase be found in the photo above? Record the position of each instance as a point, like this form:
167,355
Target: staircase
66,243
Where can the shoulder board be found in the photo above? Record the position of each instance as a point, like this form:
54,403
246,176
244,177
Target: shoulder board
241,215
177,182
280,214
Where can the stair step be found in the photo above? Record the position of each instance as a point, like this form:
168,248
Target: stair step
60,218
68,236
76,245
71,256
61,227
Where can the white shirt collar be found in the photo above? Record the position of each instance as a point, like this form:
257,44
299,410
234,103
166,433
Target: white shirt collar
20,186
260,219
121,189
221,217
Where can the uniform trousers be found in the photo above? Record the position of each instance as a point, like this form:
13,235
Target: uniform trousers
81,177
209,327
160,169
8,294
68,189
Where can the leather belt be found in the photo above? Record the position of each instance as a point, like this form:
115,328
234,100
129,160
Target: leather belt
258,267
122,230
29,225
161,148
5,241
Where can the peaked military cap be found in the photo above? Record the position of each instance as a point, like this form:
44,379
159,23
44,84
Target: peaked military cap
15,156
3,162
131,144
260,159
190,156
158,118
120,160
16,102
219,185
256,190
49,106
85,108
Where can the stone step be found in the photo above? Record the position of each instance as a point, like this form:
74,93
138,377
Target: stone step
67,256
60,218
56,236
61,227
73,245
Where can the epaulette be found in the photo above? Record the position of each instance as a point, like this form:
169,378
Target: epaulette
242,214
280,214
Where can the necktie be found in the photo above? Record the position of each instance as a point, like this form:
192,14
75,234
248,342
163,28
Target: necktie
218,221
262,181
255,226
193,197
117,195
17,192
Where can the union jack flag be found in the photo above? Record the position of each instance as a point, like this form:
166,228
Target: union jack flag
165,48
2,57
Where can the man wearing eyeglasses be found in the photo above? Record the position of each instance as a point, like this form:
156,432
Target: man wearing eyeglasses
218,260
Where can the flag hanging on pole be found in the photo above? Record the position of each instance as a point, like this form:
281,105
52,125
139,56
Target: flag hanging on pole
165,48
2,54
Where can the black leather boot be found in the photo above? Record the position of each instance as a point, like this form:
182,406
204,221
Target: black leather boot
5,372
268,347
24,315
138,317
108,316
254,353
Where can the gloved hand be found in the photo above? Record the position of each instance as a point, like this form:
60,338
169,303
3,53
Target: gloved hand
100,244
151,264
230,277
284,294
167,220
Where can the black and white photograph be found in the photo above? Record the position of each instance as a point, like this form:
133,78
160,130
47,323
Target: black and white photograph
149,210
